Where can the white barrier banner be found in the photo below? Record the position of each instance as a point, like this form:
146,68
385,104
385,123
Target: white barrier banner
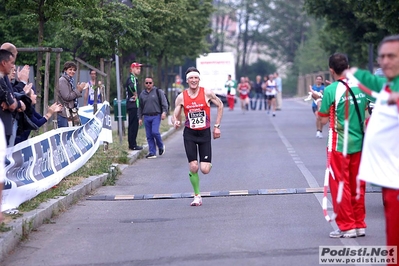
39,163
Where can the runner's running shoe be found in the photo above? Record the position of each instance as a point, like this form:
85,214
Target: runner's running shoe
197,201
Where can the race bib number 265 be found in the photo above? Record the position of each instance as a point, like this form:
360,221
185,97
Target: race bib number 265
197,119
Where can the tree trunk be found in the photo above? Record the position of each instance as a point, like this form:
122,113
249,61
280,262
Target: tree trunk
238,48
39,64
245,41
166,76
159,70
222,32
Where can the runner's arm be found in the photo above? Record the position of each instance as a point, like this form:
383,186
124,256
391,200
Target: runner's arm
178,108
210,95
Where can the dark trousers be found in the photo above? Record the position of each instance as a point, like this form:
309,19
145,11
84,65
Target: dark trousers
133,127
154,139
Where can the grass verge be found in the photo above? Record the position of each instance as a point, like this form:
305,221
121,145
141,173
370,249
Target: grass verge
101,162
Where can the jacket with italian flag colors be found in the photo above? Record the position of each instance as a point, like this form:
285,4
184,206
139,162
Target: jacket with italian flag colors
335,98
376,83
380,157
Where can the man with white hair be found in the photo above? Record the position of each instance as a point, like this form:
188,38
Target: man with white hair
195,102
380,157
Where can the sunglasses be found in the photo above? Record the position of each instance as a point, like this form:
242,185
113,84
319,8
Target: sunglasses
148,83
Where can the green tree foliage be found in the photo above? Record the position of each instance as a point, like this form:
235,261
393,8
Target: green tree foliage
176,29
252,18
34,14
260,67
273,27
99,29
352,25
310,56
151,31
287,29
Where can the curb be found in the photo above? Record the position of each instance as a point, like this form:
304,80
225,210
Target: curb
21,227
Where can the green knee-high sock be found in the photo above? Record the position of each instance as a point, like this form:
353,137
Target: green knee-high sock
194,178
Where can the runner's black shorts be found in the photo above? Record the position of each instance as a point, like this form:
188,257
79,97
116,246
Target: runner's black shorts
269,97
198,141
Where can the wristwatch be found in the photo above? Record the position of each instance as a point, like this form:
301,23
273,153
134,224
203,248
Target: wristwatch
217,125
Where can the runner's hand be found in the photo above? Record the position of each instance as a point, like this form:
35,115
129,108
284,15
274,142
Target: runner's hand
216,133
176,124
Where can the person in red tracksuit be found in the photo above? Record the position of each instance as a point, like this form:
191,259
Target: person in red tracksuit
339,108
230,86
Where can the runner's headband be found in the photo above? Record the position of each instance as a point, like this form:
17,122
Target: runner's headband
192,74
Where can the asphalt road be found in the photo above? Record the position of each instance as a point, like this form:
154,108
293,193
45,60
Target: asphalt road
258,154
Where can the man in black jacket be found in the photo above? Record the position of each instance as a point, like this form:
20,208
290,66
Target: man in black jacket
9,104
132,103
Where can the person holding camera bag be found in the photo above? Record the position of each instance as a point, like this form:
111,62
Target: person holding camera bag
68,96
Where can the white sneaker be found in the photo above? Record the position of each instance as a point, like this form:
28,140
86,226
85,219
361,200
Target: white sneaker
320,135
197,201
347,234
360,232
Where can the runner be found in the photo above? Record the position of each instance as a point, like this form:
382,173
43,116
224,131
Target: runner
195,102
317,87
271,91
243,89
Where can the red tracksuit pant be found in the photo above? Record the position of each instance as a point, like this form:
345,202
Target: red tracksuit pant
351,212
230,101
391,205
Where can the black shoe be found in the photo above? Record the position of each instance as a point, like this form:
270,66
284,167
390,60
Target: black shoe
150,156
137,148
162,151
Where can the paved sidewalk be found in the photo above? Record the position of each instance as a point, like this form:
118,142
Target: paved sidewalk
22,226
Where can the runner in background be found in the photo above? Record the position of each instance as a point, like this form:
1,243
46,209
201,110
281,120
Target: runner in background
271,91
243,90
318,87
